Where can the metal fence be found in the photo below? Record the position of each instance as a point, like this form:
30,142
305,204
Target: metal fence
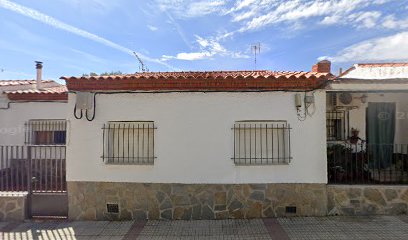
128,142
32,168
365,163
261,142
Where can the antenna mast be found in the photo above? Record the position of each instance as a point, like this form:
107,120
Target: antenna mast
256,49
142,66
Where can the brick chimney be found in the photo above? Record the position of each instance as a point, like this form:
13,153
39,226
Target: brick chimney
38,66
322,67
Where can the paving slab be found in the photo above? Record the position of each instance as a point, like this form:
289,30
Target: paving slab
378,227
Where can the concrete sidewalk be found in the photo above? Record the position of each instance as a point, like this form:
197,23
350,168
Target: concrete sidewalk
379,227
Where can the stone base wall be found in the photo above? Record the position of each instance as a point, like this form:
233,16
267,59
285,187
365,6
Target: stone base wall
367,200
87,200
12,207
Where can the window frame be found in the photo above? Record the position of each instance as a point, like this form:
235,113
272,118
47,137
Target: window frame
36,130
272,130
338,130
113,133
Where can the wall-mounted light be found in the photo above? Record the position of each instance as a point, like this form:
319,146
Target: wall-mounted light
363,98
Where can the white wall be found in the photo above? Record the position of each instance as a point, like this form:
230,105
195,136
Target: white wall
194,140
358,116
12,119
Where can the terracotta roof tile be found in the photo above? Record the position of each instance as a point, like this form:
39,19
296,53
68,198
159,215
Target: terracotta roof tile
201,81
20,82
58,93
51,90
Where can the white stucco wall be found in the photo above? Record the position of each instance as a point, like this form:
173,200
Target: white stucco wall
358,116
12,119
194,140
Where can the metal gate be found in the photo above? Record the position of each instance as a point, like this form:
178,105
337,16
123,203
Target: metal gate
40,172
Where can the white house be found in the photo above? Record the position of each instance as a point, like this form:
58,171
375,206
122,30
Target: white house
208,145
25,103
33,135
197,145
367,135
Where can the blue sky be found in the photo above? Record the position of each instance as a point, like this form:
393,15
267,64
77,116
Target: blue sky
73,37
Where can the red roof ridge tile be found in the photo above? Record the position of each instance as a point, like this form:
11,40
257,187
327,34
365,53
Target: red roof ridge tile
201,81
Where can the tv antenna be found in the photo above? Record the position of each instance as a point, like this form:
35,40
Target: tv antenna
256,49
142,66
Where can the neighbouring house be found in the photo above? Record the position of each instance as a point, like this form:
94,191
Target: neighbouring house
35,104
367,139
197,145
33,134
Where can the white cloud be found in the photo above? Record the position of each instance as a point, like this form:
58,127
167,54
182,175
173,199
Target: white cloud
253,15
294,10
209,48
391,48
189,56
152,28
191,8
204,7
365,19
392,23
331,20
360,19
36,15
244,16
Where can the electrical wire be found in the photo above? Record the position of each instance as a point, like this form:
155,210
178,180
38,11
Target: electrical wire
75,110
94,109
86,111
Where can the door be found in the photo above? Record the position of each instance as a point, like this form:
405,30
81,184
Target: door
380,120
48,194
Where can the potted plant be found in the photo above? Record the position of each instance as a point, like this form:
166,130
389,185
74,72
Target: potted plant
337,156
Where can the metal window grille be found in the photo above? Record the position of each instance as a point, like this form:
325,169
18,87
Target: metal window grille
261,142
337,125
46,132
128,142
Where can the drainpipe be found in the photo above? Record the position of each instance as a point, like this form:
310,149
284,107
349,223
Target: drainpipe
38,66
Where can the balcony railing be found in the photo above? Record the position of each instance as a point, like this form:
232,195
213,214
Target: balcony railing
365,163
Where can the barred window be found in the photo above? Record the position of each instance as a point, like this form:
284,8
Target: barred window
261,142
336,125
46,132
128,142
